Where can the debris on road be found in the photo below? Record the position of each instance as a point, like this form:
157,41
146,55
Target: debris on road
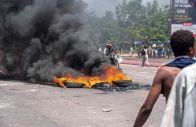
90,107
107,110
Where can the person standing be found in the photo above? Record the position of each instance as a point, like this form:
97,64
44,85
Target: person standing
144,54
184,48
100,50
131,51
168,52
163,52
156,53
159,52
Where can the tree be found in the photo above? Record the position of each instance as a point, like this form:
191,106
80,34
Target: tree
143,23
134,22
108,16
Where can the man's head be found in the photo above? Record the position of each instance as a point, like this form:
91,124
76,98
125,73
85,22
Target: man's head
183,43
145,47
109,46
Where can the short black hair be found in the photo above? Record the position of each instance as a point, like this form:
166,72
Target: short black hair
145,47
181,41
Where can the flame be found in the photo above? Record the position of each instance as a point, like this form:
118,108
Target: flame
110,74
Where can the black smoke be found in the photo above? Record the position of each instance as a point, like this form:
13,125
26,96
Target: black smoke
46,38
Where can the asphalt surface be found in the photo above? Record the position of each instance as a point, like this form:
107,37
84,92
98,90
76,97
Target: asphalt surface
142,75
34,105
23,104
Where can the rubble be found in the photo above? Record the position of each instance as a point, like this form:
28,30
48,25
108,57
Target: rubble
135,86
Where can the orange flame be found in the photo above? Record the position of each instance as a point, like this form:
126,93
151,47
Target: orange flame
111,74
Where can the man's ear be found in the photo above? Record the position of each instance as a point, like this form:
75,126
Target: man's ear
191,50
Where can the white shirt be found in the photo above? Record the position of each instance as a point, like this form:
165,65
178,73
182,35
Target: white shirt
146,51
156,52
104,51
131,48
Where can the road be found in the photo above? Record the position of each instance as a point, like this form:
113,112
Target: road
140,74
23,104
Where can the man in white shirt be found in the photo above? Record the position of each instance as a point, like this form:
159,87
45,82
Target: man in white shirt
131,50
144,54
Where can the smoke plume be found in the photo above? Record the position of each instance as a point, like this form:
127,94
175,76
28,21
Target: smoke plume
45,38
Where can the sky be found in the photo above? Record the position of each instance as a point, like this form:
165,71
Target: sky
101,6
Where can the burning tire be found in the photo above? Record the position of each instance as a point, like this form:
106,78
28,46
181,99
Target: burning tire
123,83
74,85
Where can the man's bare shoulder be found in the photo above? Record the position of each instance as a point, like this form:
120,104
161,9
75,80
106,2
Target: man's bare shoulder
168,71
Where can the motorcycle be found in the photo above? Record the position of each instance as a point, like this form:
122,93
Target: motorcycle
114,60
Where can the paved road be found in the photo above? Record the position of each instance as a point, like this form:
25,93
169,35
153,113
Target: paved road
140,74
34,105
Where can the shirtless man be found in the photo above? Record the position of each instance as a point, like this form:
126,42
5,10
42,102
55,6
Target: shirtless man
184,47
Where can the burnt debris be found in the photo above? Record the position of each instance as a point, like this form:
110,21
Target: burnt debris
134,86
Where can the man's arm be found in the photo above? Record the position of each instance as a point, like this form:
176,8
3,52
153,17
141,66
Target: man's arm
146,108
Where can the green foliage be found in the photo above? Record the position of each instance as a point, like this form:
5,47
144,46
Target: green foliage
133,22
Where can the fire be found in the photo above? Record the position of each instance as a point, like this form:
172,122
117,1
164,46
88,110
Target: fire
111,74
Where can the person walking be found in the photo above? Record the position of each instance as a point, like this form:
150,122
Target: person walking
144,54
163,52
